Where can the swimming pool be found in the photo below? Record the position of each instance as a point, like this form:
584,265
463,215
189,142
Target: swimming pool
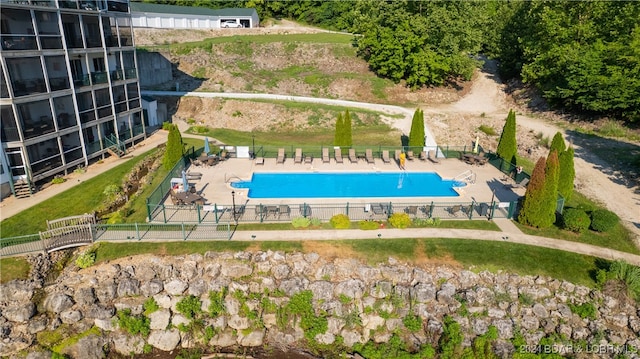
349,184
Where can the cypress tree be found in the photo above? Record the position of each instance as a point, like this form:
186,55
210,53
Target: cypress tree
558,144
416,134
507,147
552,173
173,151
567,174
348,136
531,204
337,139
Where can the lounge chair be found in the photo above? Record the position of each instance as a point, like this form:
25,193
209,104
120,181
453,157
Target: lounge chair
432,157
284,210
338,155
325,155
259,160
352,155
305,210
453,211
521,184
410,155
280,158
423,156
368,154
411,210
308,159
385,156
298,156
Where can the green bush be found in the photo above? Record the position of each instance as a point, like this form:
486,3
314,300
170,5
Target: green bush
86,259
167,125
575,220
150,305
316,222
189,306
368,225
584,310
400,220
603,220
58,180
301,222
133,324
340,221
412,322
487,130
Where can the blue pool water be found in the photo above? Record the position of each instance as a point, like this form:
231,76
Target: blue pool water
340,185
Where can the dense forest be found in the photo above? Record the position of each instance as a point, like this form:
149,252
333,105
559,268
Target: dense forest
581,55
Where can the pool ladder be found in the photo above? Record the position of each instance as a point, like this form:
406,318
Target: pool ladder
467,176
231,176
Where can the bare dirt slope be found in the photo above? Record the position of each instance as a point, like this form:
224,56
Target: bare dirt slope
452,114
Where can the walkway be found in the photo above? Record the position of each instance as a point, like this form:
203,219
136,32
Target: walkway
508,234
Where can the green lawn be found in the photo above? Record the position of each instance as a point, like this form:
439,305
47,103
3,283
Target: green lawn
85,197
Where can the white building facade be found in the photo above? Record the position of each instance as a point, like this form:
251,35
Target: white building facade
161,16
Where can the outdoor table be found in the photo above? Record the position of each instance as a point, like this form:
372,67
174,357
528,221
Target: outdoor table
188,198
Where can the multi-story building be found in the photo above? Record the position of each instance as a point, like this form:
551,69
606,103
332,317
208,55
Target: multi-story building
69,87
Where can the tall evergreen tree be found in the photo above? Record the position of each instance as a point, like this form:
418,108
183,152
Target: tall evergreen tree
558,144
530,212
338,136
552,173
507,147
173,151
348,136
416,135
567,174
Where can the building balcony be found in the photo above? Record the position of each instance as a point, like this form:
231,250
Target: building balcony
83,80
117,75
130,73
59,83
28,87
19,42
99,77
46,165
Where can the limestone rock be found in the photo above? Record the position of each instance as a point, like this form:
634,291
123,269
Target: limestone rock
175,287
236,270
159,320
128,288
253,339
223,339
20,314
166,340
352,288
127,345
57,303
89,347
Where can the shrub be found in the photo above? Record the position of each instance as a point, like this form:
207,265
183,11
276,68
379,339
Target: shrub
400,220
575,220
167,125
301,222
58,180
585,310
603,220
150,305
189,306
368,225
426,222
134,324
340,221
412,322
316,222
487,130
86,259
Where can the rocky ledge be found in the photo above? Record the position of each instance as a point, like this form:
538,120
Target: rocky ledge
250,299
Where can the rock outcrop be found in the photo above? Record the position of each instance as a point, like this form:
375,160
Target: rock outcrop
243,299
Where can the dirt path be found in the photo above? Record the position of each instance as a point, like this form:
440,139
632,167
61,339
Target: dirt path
592,179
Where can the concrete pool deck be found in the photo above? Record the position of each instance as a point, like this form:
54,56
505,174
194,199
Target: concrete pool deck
215,186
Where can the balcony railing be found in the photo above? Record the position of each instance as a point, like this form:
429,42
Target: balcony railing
72,154
133,104
51,42
130,73
138,130
87,116
59,83
19,42
93,147
28,87
83,80
99,77
104,112
46,164
117,75
121,107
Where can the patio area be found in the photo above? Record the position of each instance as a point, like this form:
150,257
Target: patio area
485,184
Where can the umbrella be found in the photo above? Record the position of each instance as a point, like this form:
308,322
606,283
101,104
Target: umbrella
185,183
475,147
206,145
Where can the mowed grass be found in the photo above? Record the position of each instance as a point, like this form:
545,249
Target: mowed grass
85,197
13,268
471,254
